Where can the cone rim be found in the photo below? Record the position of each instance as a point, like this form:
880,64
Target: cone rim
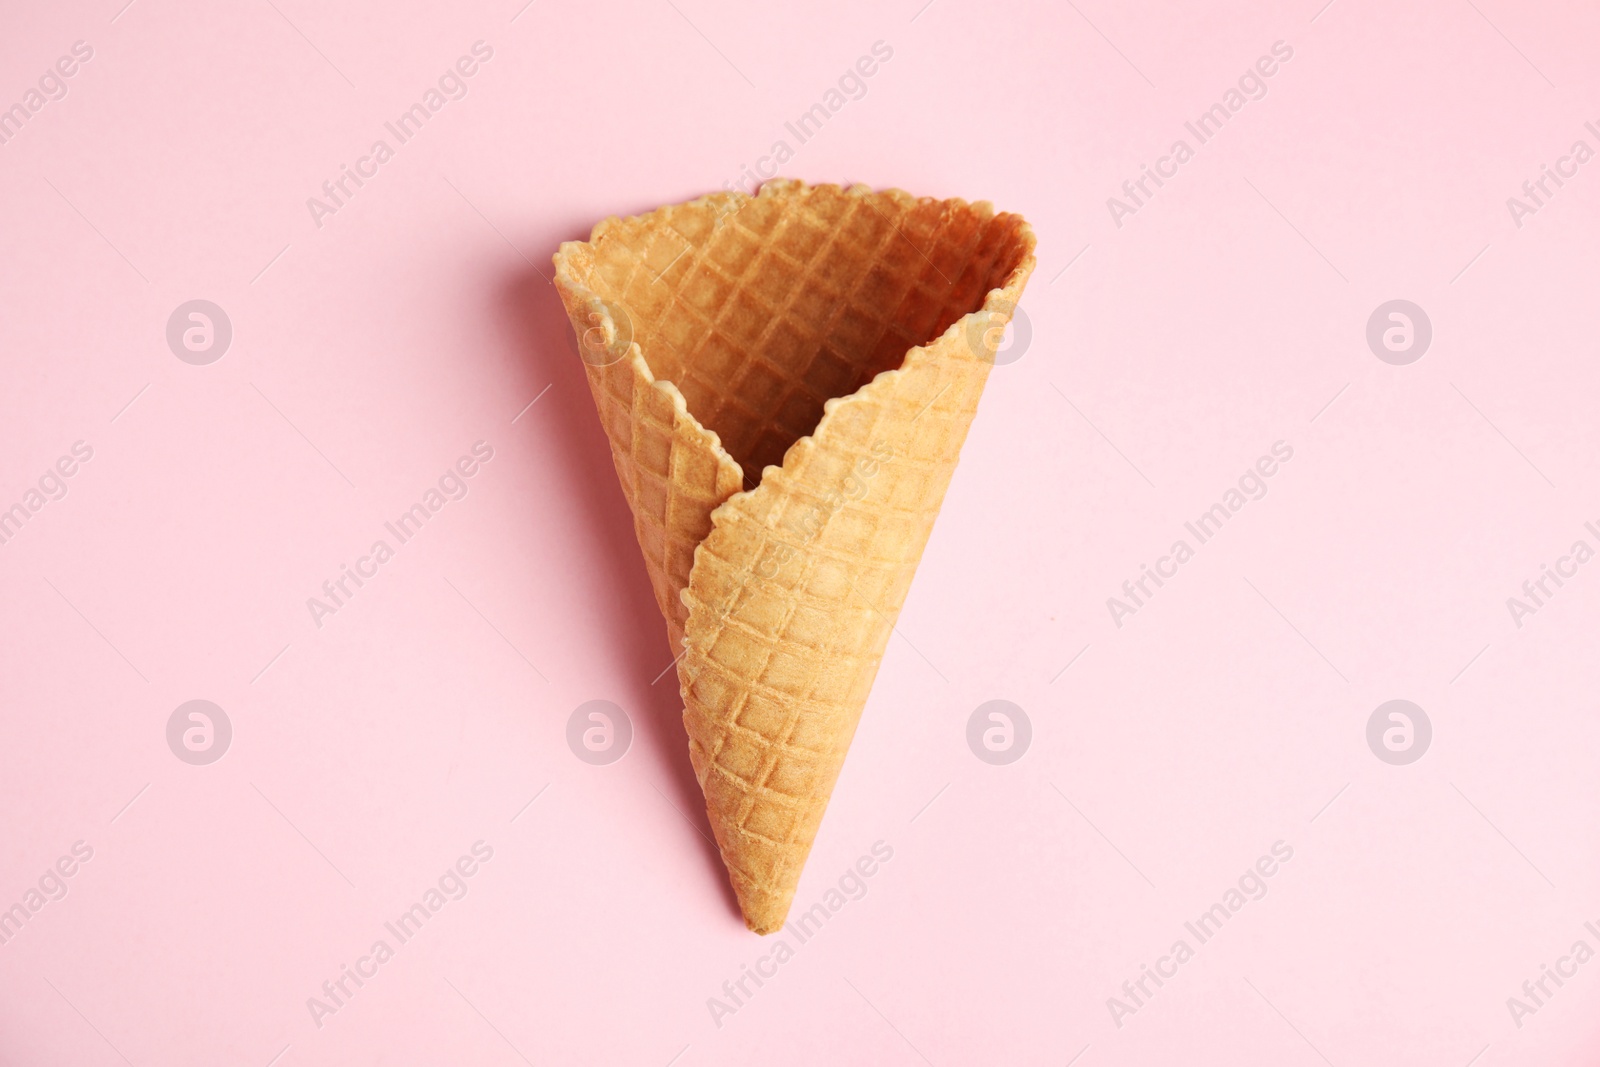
1010,292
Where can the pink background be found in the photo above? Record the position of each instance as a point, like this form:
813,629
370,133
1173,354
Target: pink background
1167,354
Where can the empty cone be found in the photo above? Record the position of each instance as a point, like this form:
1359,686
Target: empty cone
786,381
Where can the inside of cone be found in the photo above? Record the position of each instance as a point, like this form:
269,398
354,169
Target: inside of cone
761,309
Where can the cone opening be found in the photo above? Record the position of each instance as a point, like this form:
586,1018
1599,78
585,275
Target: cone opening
762,309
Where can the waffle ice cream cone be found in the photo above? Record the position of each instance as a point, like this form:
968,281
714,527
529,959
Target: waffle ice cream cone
786,381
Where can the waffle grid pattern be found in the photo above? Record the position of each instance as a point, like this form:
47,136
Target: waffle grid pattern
671,475
775,690
759,321
754,314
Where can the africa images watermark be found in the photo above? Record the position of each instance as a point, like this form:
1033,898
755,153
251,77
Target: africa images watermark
337,992
51,886
1252,486
1252,885
452,485
1536,992
852,885
452,85
51,86
599,732
52,485
1537,592
851,85
1537,192
999,732
1252,85
199,732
